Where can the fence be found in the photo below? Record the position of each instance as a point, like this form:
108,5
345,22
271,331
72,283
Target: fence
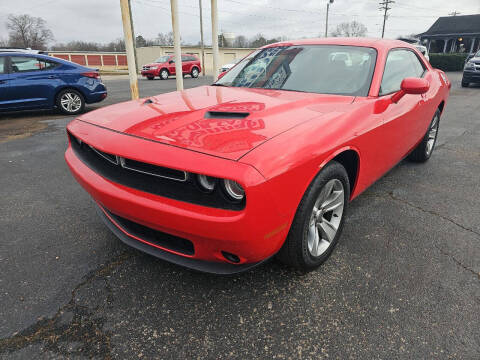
102,61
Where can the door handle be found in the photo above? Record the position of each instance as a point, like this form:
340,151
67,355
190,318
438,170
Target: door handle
52,76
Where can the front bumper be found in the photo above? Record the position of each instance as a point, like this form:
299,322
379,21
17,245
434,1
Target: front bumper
149,73
471,76
253,234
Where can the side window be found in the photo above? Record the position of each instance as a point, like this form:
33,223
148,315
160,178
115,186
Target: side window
24,64
184,58
417,65
3,61
47,64
400,64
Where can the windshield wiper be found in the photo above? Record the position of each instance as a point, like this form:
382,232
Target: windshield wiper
219,85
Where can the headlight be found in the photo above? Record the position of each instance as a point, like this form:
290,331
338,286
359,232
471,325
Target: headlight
207,182
153,67
469,65
234,190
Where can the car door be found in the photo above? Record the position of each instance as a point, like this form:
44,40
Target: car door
4,83
185,64
403,122
33,81
171,65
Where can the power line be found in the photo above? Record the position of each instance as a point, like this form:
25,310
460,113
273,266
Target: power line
384,5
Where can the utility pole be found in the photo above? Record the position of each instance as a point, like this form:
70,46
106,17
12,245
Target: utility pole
129,47
454,13
384,5
326,20
214,15
201,37
176,44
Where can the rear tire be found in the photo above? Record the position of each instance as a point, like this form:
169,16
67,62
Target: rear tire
70,102
319,220
424,150
465,83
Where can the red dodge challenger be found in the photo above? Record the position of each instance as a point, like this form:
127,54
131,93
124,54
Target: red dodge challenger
263,162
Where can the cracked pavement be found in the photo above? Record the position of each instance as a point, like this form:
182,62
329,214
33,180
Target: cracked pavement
403,282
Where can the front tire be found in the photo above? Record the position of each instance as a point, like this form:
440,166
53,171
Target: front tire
164,74
465,83
194,73
424,150
70,102
319,220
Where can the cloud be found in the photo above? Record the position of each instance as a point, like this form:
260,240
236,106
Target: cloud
100,20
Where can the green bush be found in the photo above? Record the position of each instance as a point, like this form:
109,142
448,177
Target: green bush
448,62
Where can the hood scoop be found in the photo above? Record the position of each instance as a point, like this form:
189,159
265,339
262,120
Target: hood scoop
225,115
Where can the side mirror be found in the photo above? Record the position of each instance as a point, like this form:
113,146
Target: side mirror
171,62
221,75
413,86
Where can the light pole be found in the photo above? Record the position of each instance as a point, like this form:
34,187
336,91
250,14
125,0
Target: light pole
326,20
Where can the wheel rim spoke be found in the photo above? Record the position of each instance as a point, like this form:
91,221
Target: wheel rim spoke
326,217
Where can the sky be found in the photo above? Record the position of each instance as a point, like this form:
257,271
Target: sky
100,20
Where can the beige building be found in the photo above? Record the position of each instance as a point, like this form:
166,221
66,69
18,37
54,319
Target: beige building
148,54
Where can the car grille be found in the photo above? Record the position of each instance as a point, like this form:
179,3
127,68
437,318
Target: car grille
149,178
153,236
146,68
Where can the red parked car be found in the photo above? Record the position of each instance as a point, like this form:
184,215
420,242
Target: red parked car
164,66
265,161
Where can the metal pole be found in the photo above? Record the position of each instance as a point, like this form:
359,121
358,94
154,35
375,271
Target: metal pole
201,37
214,38
128,31
326,20
384,20
176,45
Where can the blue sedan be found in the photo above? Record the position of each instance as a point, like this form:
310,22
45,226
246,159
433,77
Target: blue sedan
29,81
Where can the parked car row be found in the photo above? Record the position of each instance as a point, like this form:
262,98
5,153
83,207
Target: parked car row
34,81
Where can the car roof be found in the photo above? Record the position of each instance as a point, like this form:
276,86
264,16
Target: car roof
346,41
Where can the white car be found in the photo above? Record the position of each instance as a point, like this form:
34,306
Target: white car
423,50
227,67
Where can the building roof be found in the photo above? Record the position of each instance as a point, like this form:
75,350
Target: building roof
457,25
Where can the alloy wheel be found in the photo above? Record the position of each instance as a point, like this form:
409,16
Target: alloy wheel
326,217
164,74
432,135
71,102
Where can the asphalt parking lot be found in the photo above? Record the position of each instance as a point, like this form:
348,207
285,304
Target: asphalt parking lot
404,281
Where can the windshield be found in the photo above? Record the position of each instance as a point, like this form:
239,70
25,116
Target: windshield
477,54
323,69
162,59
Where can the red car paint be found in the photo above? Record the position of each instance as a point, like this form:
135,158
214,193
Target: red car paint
274,152
153,69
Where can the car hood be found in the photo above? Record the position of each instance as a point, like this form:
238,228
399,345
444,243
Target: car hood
153,64
226,122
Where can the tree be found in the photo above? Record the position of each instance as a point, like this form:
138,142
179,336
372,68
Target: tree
258,41
350,29
140,41
28,31
165,39
240,42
